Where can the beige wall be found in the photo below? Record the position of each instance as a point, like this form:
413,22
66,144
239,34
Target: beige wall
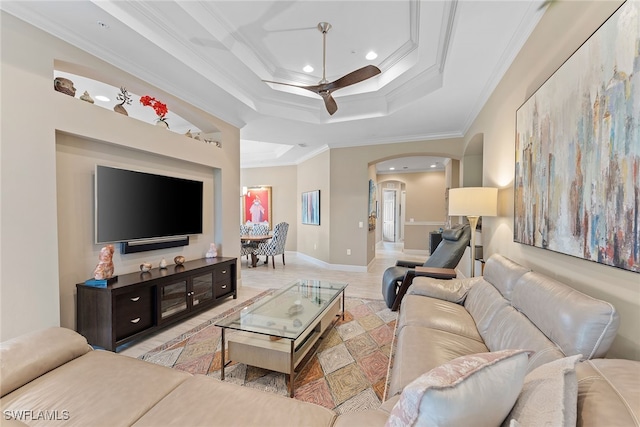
425,208
282,180
35,268
313,174
76,159
563,28
349,192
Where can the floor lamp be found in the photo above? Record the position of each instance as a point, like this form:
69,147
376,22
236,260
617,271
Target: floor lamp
473,202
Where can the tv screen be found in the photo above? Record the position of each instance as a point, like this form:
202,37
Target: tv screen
132,205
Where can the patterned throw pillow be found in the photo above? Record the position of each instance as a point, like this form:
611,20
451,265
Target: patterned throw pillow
549,396
478,389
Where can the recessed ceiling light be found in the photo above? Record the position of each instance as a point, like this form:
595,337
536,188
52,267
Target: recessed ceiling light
102,98
371,55
433,165
307,68
392,169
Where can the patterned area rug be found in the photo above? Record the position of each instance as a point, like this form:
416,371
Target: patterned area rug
347,371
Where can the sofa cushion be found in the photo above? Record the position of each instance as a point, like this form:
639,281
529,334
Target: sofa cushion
577,323
444,316
502,327
503,274
478,389
421,349
98,388
206,401
549,395
608,392
25,358
483,302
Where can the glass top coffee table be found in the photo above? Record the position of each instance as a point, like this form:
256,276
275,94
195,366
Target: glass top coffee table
277,331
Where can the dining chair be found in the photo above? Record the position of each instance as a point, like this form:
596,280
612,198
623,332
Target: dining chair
275,245
246,248
259,229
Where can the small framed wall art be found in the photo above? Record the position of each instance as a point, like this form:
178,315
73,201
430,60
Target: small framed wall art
311,207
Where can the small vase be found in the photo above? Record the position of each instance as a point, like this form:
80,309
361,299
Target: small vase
161,122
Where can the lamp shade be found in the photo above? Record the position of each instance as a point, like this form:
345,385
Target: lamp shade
473,201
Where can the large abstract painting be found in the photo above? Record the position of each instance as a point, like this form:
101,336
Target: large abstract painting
577,178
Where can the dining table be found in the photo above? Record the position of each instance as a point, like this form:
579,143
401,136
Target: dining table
257,238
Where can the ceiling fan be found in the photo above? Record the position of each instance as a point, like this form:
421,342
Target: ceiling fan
324,88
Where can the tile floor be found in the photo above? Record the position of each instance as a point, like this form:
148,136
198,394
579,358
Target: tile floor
257,280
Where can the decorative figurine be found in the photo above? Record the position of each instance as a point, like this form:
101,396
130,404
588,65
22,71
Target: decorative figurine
125,98
104,269
179,260
86,97
163,263
60,84
145,266
212,252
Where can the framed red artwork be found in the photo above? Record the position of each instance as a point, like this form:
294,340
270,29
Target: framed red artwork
256,206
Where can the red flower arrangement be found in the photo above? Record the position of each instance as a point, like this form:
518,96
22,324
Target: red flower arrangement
159,107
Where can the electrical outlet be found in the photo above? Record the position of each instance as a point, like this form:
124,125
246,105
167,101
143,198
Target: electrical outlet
315,246
348,251
360,224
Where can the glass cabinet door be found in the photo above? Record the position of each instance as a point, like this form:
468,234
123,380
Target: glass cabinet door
173,299
202,289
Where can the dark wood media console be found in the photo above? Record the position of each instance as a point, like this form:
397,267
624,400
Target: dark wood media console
142,303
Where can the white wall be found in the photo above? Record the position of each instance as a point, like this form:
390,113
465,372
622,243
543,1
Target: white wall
31,116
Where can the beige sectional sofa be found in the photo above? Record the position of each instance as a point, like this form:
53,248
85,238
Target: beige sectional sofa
53,377
512,307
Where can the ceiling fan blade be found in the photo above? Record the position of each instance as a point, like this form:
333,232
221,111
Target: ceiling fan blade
354,77
329,102
314,88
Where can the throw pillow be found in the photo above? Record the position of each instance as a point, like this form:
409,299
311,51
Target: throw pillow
478,389
549,395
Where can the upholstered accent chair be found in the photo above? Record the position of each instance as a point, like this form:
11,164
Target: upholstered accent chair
259,229
247,248
396,280
275,245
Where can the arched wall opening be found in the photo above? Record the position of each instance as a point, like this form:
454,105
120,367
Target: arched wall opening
412,201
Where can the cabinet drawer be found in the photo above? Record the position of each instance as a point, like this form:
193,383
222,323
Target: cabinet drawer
222,275
134,312
222,282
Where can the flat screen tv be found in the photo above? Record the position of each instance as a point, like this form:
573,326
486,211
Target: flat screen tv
132,205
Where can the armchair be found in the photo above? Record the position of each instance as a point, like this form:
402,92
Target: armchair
397,279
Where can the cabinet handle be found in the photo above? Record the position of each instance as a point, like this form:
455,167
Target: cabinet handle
135,320
224,271
224,287
134,299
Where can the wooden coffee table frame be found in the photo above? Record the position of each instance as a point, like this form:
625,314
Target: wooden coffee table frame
283,354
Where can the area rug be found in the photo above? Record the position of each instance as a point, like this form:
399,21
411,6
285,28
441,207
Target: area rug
346,372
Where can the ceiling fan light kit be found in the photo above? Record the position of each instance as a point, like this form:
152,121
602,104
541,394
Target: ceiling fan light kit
324,88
